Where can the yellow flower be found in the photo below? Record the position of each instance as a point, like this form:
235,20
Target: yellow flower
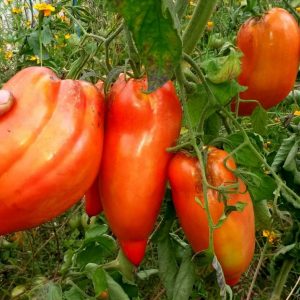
192,3
270,235
67,36
34,58
210,25
44,7
8,55
297,113
28,24
188,16
298,9
16,10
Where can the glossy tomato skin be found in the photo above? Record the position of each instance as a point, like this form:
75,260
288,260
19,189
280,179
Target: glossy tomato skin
93,206
234,241
139,129
51,146
270,61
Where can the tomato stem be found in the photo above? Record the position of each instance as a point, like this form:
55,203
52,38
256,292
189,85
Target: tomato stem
179,76
282,278
196,25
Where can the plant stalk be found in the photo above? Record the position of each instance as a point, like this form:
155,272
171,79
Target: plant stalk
282,278
196,26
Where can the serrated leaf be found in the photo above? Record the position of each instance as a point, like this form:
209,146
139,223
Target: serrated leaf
259,119
155,35
283,152
263,219
244,156
223,69
224,92
185,278
115,291
262,186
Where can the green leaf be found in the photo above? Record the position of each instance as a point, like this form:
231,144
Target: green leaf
47,37
153,27
198,106
126,268
204,258
284,249
185,278
244,156
94,231
146,274
263,219
259,119
98,277
224,92
261,186
212,128
74,294
283,152
34,44
115,291
54,291
223,69
167,265
94,252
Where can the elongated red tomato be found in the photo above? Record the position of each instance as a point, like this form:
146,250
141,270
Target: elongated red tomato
139,129
271,46
234,241
51,146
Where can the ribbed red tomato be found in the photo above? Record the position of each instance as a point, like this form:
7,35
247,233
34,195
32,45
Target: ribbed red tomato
51,146
234,241
270,61
139,128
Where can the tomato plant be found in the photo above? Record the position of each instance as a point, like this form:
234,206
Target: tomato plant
54,127
51,149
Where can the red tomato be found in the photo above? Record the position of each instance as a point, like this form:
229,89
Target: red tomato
271,46
51,146
139,129
234,241
93,206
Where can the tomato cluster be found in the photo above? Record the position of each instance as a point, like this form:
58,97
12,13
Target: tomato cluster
53,134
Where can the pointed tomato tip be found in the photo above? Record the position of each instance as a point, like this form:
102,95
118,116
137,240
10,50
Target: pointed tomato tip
232,281
134,250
